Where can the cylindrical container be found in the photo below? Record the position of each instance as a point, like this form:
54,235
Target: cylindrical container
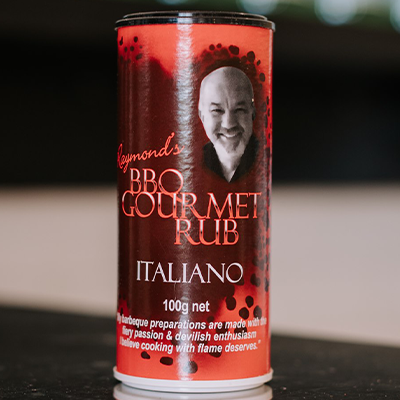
194,180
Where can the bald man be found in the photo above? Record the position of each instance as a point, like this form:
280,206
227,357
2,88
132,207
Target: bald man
226,109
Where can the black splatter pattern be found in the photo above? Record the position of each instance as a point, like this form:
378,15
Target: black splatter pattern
230,303
240,330
251,56
175,342
215,354
244,313
257,312
191,367
234,49
266,285
255,280
249,301
166,360
222,329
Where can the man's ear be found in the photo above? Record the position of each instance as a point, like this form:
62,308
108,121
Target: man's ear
200,115
254,112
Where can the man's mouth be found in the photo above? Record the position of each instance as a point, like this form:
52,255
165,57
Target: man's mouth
227,135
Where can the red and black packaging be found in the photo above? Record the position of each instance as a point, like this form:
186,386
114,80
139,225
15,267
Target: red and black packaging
194,181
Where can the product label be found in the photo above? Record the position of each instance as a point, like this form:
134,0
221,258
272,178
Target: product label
194,175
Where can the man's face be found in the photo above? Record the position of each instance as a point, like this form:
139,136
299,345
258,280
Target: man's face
226,110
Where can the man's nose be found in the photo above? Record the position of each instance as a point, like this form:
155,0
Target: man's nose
229,120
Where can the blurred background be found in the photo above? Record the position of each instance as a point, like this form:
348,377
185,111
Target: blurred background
336,165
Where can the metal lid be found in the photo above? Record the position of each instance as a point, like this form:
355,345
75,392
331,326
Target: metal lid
195,17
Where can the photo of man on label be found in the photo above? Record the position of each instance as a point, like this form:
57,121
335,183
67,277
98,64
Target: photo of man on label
227,111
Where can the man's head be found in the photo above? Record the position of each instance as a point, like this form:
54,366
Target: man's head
226,108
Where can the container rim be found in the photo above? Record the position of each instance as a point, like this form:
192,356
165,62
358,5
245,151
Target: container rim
194,17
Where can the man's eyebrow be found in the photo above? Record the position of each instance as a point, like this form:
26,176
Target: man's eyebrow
216,104
241,103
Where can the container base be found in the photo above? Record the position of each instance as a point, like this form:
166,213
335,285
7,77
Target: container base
165,385
123,392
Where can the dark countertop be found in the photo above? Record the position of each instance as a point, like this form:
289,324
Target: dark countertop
47,355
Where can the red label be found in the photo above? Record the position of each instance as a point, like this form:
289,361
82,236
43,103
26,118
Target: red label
194,175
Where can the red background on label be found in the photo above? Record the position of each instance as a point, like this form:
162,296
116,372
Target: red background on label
160,70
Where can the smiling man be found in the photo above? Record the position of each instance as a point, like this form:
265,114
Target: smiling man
226,109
